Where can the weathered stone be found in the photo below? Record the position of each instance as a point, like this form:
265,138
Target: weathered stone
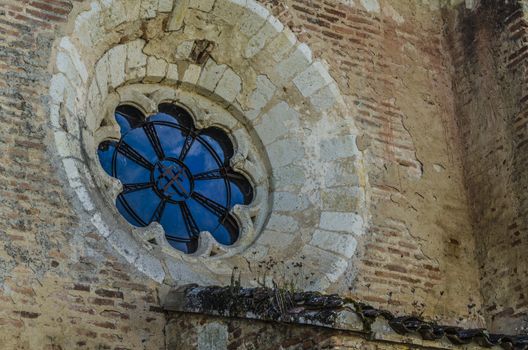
148,8
252,20
262,94
84,198
325,98
339,243
178,14
282,223
342,222
229,10
101,226
156,70
289,201
284,152
272,27
116,65
117,13
271,238
192,74
65,66
135,56
312,79
339,147
336,265
342,173
279,121
202,5
165,5
55,115
133,9
229,86
371,5
281,46
289,176
88,27
213,336
342,198
172,73
183,51
102,74
151,267
298,60
57,86
73,54
211,75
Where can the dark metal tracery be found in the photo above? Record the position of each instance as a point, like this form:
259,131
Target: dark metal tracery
175,174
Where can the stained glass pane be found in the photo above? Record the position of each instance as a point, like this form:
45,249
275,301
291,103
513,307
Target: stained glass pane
220,143
175,175
106,153
128,118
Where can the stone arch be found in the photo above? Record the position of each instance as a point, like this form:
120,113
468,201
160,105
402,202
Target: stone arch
241,58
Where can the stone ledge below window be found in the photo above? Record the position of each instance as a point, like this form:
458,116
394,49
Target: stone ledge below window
348,321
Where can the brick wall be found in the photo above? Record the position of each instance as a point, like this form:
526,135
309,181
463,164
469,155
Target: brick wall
394,67
60,285
489,50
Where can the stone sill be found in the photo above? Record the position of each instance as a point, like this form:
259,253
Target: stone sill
330,311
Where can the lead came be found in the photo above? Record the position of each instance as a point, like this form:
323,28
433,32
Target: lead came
176,175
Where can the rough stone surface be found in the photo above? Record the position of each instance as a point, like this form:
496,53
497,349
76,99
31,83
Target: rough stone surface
339,243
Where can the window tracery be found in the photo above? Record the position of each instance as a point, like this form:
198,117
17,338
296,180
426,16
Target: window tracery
175,174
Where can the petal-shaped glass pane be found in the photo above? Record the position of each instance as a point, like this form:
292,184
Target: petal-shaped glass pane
227,233
205,219
139,141
130,172
127,212
141,203
171,139
241,190
106,153
219,142
173,223
215,189
178,113
128,118
199,159
163,117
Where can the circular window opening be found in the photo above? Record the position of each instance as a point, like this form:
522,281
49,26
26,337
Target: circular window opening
175,174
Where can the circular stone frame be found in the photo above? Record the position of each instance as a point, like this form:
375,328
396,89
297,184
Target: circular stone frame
247,160
296,132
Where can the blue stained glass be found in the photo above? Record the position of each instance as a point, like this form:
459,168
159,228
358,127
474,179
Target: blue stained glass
128,117
128,171
172,140
225,235
139,141
201,158
173,222
123,123
214,189
163,117
237,194
175,175
106,152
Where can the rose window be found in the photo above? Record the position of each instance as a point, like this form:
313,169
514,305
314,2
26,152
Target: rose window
175,174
